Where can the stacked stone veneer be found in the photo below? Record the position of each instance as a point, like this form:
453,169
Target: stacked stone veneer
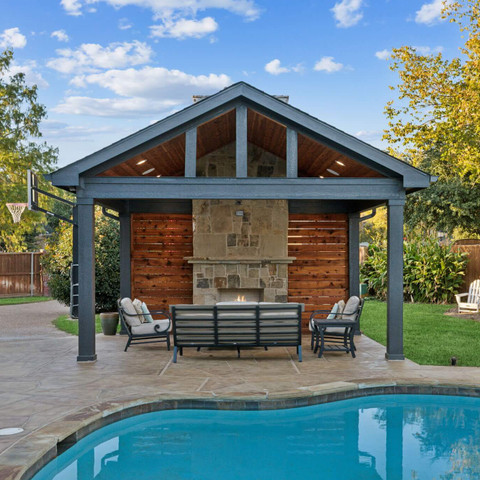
260,163
240,245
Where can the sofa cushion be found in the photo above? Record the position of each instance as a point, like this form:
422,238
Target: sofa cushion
148,328
130,311
137,304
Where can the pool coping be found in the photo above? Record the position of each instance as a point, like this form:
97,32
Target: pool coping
31,453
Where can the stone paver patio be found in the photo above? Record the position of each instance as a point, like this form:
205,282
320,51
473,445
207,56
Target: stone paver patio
45,391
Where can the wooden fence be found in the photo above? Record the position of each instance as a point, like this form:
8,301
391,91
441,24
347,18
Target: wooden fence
473,266
20,274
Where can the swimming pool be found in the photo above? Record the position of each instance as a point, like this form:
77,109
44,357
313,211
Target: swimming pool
376,437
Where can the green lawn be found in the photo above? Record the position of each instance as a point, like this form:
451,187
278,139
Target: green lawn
18,300
64,323
430,338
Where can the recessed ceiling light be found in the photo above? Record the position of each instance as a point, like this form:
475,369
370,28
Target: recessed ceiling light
333,172
141,161
158,176
340,163
150,170
10,431
321,176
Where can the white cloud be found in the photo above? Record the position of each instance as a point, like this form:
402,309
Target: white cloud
60,35
56,129
383,54
369,135
113,107
12,38
154,82
142,92
274,67
72,7
347,13
423,50
91,57
430,13
327,64
124,24
184,28
167,8
29,69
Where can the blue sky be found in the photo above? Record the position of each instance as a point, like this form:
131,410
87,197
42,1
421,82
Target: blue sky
106,68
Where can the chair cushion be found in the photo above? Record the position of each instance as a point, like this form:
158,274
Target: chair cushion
341,308
148,328
137,304
333,312
146,313
131,314
350,310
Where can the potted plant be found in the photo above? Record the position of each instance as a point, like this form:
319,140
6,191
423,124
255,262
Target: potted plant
109,322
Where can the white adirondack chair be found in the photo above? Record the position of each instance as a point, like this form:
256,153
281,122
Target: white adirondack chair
472,305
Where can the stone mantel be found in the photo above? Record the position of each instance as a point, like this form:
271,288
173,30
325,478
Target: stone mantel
234,261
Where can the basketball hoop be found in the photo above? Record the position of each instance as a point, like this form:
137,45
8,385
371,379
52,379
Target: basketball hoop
16,209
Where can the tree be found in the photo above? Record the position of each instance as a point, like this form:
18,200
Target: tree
435,125
20,117
58,259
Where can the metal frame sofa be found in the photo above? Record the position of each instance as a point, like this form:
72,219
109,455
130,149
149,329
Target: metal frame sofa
237,324
140,325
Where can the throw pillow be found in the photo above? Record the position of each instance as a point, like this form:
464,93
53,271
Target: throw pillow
146,313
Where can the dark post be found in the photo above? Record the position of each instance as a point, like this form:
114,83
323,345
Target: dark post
394,443
354,258
125,266
241,141
292,153
74,278
86,280
395,281
191,153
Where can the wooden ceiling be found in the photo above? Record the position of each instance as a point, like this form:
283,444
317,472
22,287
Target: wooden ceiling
314,159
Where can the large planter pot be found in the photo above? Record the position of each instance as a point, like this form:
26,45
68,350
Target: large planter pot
109,321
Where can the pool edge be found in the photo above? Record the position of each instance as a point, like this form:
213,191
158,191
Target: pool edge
30,453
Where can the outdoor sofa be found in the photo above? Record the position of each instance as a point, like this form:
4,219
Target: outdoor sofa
237,324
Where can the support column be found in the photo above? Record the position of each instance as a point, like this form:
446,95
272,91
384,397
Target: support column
394,443
241,156
292,153
86,280
191,153
354,257
395,281
125,261
74,278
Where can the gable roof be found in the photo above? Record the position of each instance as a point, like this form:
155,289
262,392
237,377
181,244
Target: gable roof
238,93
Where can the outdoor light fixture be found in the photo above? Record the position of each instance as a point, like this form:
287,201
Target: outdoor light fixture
321,176
141,161
148,171
158,176
340,163
333,172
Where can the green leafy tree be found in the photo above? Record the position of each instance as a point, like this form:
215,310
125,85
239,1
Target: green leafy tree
58,259
20,117
434,124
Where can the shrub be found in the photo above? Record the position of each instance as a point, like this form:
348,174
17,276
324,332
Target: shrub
433,273
58,259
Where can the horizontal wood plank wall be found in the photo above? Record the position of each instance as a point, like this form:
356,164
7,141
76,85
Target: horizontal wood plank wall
160,275
15,274
473,266
319,275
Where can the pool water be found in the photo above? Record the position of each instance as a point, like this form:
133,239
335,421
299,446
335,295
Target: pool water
379,437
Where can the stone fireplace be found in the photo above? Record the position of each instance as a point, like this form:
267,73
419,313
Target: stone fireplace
240,249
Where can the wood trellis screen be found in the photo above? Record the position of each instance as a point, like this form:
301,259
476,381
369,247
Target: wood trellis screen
159,243
319,276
